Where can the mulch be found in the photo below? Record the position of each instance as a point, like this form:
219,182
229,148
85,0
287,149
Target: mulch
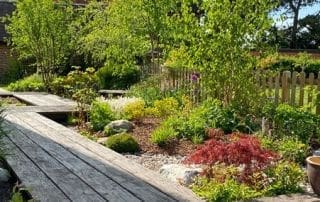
142,133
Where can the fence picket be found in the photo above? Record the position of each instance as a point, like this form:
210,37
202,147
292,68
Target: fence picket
293,88
302,80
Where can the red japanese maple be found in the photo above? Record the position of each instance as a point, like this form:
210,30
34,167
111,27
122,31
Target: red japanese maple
237,149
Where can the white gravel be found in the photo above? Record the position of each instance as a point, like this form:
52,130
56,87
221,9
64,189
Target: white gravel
154,161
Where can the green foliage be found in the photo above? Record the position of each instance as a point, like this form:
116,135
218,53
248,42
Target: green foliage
100,115
149,90
163,135
80,86
30,83
220,48
286,178
290,149
293,122
108,78
40,30
134,110
165,107
230,190
122,143
291,63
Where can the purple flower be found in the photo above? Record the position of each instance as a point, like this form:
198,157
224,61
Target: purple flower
195,76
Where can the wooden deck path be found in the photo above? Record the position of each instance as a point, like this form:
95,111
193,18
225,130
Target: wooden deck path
57,164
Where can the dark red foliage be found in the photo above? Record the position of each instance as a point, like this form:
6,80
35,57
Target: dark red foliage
238,149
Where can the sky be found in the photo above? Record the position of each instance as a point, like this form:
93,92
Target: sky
303,12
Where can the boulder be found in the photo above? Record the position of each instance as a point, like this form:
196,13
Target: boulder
118,126
4,175
179,173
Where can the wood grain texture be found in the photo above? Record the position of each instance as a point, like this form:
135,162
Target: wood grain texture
31,177
72,186
176,191
101,183
135,185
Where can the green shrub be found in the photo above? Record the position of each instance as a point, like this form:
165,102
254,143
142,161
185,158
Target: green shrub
164,107
162,135
122,143
149,90
291,63
100,115
230,190
286,178
134,110
30,83
290,149
109,79
293,122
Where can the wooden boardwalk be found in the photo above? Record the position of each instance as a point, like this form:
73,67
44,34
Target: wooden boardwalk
57,164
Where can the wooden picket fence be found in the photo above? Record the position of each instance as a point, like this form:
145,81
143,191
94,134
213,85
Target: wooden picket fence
293,88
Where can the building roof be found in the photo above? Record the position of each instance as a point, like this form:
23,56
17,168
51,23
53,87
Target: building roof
6,8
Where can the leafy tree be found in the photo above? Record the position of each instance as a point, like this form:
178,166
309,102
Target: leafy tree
293,7
218,45
40,29
119,31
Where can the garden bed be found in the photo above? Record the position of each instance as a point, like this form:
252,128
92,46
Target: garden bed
11,101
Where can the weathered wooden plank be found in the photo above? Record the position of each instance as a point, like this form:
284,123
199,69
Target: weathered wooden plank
140,188
311,87
293,88
109,189
302,79
72,185
285,86
43,109
43,99
119,161
31,177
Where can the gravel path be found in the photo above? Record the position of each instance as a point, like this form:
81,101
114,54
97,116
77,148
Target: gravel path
154,161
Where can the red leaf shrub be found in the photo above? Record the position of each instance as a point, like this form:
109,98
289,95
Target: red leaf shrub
238,149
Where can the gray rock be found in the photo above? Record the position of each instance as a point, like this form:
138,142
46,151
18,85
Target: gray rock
118,126
179,173
4,175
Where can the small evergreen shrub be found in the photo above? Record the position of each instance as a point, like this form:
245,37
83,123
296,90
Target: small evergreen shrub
165,107
100,115
30,83
162,135
134,110
122,143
